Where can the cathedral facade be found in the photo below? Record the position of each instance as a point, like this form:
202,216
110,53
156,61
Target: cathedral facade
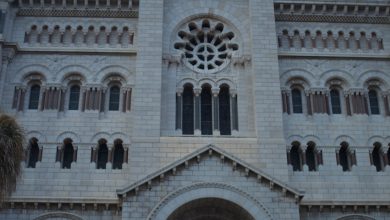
199,109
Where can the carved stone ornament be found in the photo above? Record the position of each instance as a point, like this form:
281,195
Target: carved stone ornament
207,45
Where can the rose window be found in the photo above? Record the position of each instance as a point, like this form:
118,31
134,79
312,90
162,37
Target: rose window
207,46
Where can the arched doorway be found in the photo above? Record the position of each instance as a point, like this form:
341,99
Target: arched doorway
210,209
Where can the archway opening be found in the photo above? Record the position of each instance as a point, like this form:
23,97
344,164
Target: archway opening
210,209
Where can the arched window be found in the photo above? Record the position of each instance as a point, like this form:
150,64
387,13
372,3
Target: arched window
102,156
344,156
311,156
335,101
33,155
377,159
118,154
374,104
295,156
296,101
188,110
68,153
74,96
114,98
206,111
34,97
224,110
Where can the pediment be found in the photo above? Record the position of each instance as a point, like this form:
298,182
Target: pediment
205,153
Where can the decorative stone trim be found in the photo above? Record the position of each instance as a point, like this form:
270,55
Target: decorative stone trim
37,12
197,188
332,12
58,215
344,206
211,150
63,203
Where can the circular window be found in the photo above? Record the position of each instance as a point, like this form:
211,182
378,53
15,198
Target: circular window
207,47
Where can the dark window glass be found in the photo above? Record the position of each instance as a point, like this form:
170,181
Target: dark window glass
118,156
376,157
388,156
102,156
374,104
74,97
343,156
68,155
295,158
34,153
224,111
310,158
335,101
206,111
188,110
34,97
114,99
297,101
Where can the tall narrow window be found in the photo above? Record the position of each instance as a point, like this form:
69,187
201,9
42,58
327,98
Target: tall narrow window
224,111
188,110
118,155
114,98
68,154
296,101
33,153
335,101
34,97
311,157
344,158
102,157
374,104
377,157
74,97
295,155
206,111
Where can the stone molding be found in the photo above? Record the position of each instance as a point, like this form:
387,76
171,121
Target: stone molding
58,215
211,150
38,12
193,191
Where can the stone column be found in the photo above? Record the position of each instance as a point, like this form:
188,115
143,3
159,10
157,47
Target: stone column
234,111
197,113
215,109
179,110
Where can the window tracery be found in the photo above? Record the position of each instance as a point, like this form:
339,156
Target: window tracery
206,44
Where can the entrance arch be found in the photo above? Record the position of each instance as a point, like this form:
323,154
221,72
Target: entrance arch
210,209
198,195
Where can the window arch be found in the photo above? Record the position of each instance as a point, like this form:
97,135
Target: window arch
335,101
35,91
224,110
68,154
206,110
374,102
74,96
188,109
311,154
113,104
119,152
296,96
33,153
296,156
377,157
102,156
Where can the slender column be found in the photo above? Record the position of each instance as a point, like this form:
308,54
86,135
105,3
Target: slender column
83,98
197,121
128,100
21,99
216,111
309,102
234,111
179,109
62,99
102,99
386,103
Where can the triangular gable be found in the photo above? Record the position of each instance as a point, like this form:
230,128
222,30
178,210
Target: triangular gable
211,150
